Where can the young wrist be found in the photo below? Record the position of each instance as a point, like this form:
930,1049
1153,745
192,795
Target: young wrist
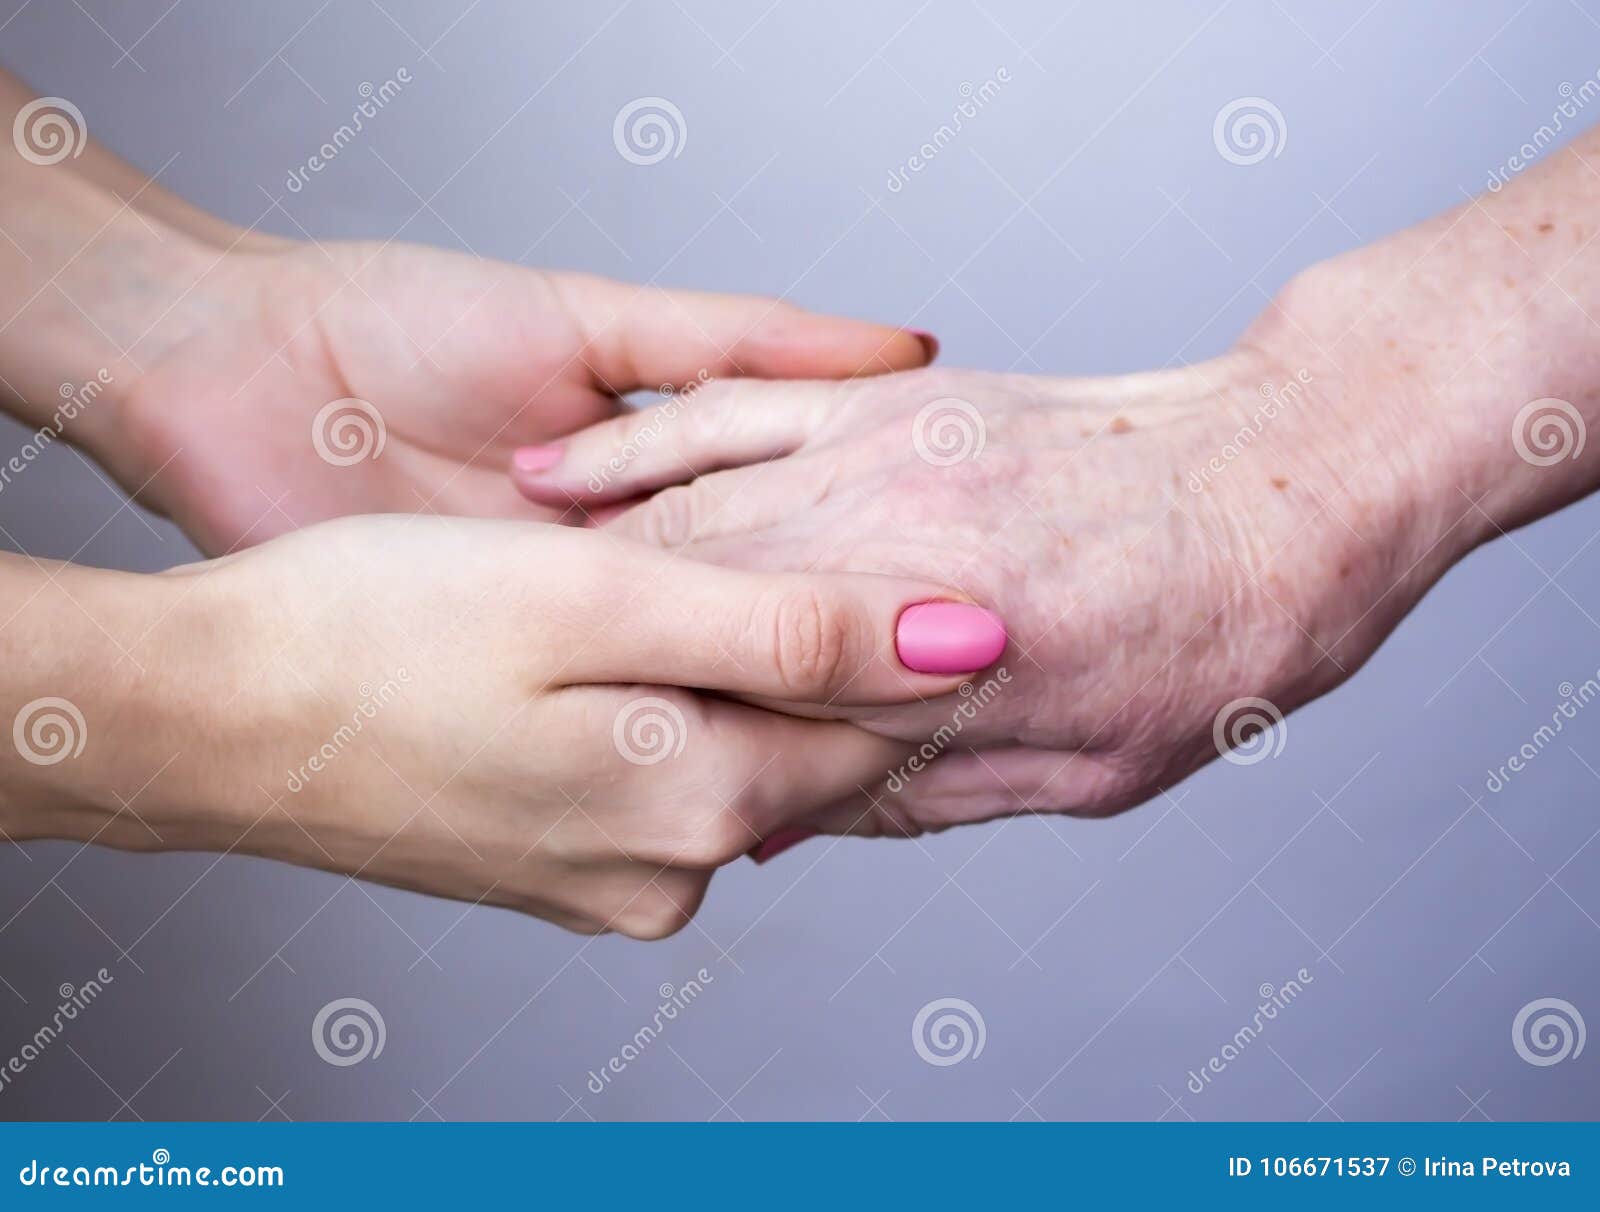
115,709
102,293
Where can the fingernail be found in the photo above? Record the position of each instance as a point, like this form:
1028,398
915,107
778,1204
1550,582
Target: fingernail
534,459
948,637
930,343
781,841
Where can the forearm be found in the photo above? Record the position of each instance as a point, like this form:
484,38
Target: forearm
102,721
99,166
1458,325
89,291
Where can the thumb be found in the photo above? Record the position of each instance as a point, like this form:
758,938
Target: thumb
646,337
839,639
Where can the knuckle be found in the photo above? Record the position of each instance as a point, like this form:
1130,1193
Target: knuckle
811,642
705,410
711,837
694,821
668,518
653,918
893,816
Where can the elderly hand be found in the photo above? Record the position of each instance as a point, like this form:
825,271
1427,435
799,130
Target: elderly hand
1180,556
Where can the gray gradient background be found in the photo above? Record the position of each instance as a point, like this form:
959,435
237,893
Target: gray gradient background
1106,958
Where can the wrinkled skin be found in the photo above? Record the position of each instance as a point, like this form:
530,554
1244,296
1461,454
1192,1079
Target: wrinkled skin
1137,606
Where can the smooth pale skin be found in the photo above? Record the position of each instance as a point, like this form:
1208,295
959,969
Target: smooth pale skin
495,659
1138,607
494,774
223,345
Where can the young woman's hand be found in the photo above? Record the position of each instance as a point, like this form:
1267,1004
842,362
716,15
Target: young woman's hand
479,709
445,364
246,385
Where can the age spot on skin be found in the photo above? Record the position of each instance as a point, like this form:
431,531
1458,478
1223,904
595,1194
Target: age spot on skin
1279,483
1121,425
1546,228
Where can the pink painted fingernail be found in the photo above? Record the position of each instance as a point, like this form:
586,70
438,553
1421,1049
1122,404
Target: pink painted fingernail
781,841
533,459
930,343
948,637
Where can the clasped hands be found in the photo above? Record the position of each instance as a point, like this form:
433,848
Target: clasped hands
584,721
772,589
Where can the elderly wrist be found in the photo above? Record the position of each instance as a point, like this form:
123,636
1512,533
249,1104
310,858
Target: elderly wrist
1363,483
1472,338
